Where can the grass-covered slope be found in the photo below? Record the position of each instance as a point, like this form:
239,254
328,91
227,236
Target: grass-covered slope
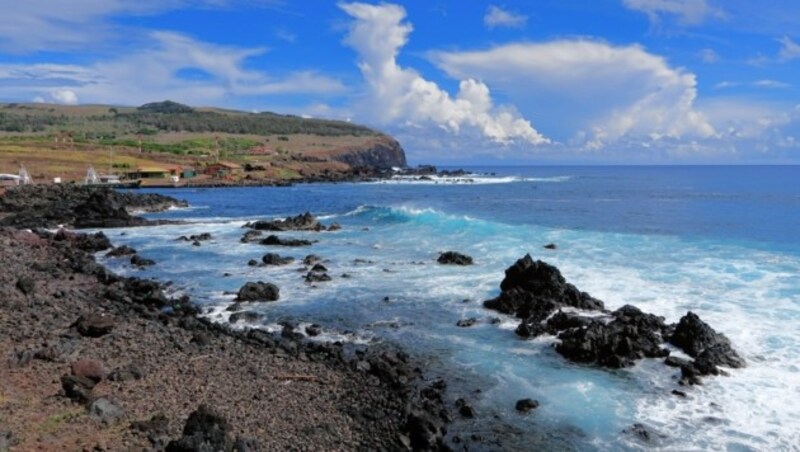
62,141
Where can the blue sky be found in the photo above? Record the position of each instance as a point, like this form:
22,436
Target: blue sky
551,81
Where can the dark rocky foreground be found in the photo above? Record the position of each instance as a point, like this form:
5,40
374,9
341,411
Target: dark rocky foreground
78,206
97,361
537,294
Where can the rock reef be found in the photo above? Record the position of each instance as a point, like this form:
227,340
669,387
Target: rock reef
78,206
537,294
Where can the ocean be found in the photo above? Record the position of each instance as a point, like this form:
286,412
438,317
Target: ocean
719,241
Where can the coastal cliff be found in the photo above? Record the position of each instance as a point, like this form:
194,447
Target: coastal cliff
382,153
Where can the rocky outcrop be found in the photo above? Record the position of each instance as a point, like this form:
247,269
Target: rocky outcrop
318,273
382,153
204,430
120,251
302,222
532,290
274,240
274,259
454,258
630,336
526,405
258,291
709,349
546,303
79,206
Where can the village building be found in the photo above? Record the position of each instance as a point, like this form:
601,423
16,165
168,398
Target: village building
223,169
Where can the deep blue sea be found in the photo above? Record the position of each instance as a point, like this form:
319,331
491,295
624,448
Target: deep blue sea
723,242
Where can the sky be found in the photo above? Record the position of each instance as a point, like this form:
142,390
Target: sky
455,81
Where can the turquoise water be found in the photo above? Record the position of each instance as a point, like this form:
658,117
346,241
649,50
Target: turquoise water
720,241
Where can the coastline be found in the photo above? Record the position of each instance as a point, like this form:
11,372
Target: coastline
625,348
159,362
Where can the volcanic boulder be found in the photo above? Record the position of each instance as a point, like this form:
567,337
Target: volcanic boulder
205,430
303,222
258,291
276,259
454,258
630,336
532,290
274,240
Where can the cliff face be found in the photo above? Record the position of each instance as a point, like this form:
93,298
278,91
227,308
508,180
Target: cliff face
383,153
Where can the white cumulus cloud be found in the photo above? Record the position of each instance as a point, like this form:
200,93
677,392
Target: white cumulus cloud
498,17
65,96
398,94
690,12
604,92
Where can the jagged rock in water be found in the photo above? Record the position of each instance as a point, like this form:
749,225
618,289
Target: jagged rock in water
246,316
630,336
274,240
709,348
454,258
526,405
532,290
537,293
251,236
119,251
276,259
258,291
140,262
303,222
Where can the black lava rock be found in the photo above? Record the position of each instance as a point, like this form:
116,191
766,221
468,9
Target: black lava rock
205,430
94,325
525,405
258,291
274,240
454,258
276,259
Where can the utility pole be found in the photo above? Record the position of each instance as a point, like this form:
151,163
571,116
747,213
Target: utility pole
216,148
139,136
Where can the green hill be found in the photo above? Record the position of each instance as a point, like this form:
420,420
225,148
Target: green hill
62,141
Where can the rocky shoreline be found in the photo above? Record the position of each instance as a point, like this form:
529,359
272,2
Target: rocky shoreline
100,361
96,361
79,206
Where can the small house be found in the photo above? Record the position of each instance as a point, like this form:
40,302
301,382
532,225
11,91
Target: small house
223,169
188,172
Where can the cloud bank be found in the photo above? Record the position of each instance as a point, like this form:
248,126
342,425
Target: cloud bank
398,94
606,92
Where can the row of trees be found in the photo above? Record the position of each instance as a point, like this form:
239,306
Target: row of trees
174,117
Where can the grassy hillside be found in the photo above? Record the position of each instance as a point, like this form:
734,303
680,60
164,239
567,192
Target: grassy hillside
62,141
